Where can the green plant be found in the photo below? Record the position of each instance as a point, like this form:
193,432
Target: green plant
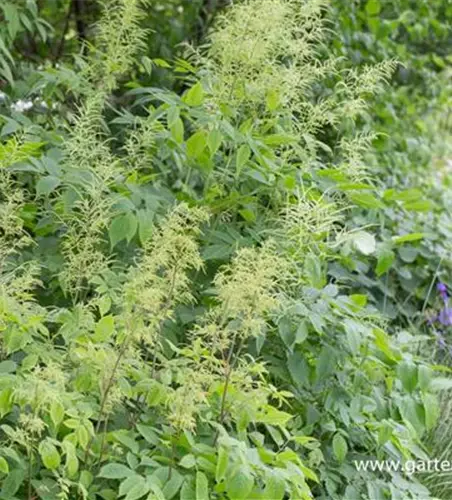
187,310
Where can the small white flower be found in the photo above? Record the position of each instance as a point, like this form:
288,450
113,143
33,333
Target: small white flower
20,106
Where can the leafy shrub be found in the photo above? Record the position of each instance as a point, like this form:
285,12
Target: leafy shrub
181,274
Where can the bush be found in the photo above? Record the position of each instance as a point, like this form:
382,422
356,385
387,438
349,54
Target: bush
194,290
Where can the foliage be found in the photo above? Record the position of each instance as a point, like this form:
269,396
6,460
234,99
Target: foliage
194,268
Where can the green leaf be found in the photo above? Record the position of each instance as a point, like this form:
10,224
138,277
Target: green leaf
173,485
104,329
314,271
4,467
425,377
340,447
56,413
8,366
161,63
222,464
82,436
273,99
243,155
188,490
149,434
123,227
325,363
407,373
177,131
302,332
298,368
46,185
139,489
275,488
49,455
364,242
248,214
196,144
432,410
104,304
418,206
128,484
279,139
71,464
385,259
115,471
398,240
12,483
273,416
239,485
202,486
441,384
366,200
145,225
195,96
373,7
6,402
214,141
188,461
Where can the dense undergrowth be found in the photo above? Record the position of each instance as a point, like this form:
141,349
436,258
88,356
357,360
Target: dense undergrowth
219,262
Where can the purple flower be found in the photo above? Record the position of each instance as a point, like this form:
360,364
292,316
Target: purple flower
445,316
442,289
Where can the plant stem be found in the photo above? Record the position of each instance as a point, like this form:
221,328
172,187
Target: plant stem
230,364
105,395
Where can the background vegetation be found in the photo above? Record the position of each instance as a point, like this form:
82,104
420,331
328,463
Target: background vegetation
225,248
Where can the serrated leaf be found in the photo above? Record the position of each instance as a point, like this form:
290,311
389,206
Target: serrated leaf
145,225
123,227
46,185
